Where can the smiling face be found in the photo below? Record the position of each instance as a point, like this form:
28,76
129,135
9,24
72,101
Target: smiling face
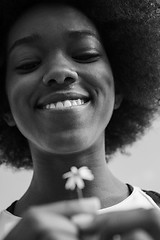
59,82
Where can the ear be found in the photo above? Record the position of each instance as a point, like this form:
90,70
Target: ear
118,95
8,118
118,101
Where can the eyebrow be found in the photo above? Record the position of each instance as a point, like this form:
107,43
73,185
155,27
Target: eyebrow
31,39
28,40
81,33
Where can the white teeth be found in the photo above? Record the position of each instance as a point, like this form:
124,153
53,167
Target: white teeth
59,105
52,105
47,106
74,102
65,104
79,102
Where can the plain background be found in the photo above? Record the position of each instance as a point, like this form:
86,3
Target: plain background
140,168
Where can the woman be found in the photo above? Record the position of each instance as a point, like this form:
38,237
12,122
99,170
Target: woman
80,81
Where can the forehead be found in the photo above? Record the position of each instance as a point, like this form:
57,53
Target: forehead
53,19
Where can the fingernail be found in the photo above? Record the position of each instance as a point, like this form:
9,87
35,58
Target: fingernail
92,203
83,220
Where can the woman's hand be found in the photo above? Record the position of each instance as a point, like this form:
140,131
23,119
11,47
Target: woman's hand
53,221
138,224
73,220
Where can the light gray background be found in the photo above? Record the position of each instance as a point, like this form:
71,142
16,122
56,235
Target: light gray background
141,168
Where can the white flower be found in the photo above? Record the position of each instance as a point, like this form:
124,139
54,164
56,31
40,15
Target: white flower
76,177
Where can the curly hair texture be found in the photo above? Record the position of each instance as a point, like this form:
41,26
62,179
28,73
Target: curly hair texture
130,33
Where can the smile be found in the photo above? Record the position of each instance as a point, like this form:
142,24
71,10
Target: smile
62,101
64,104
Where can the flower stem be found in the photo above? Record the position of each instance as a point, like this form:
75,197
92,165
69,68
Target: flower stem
79,193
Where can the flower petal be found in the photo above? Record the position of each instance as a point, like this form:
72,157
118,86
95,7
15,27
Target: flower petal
70,184
79,182
86,173
75,177
74,170
67,175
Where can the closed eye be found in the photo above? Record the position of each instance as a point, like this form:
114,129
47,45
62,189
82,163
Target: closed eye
87,57
28,66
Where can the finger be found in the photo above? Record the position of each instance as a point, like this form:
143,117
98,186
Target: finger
40,226
57,223
136,235
40,218
83,219
72,207
122,222
58,237
53,235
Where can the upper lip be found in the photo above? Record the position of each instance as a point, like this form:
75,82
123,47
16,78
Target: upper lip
61,96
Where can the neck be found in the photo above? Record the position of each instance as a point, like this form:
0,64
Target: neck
48,186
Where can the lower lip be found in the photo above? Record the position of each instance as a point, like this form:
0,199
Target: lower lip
75,107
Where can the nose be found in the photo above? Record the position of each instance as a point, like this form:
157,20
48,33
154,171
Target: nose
61,74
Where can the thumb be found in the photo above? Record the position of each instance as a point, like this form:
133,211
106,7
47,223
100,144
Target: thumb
73,207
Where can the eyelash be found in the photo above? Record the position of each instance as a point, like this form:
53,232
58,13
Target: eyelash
28,66
87,57
81,58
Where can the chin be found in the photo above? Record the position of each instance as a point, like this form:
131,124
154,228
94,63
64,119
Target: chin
70,145
70,148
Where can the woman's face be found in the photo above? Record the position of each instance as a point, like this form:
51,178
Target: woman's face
59,82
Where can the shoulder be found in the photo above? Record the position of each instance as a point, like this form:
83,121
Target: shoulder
7,222
147,198
154,195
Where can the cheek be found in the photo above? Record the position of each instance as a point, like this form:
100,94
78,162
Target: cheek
105,79
100,81
99,74
105,90
101,86
20,91
20,87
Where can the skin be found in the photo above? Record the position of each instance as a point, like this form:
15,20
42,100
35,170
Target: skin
54,62
60,58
